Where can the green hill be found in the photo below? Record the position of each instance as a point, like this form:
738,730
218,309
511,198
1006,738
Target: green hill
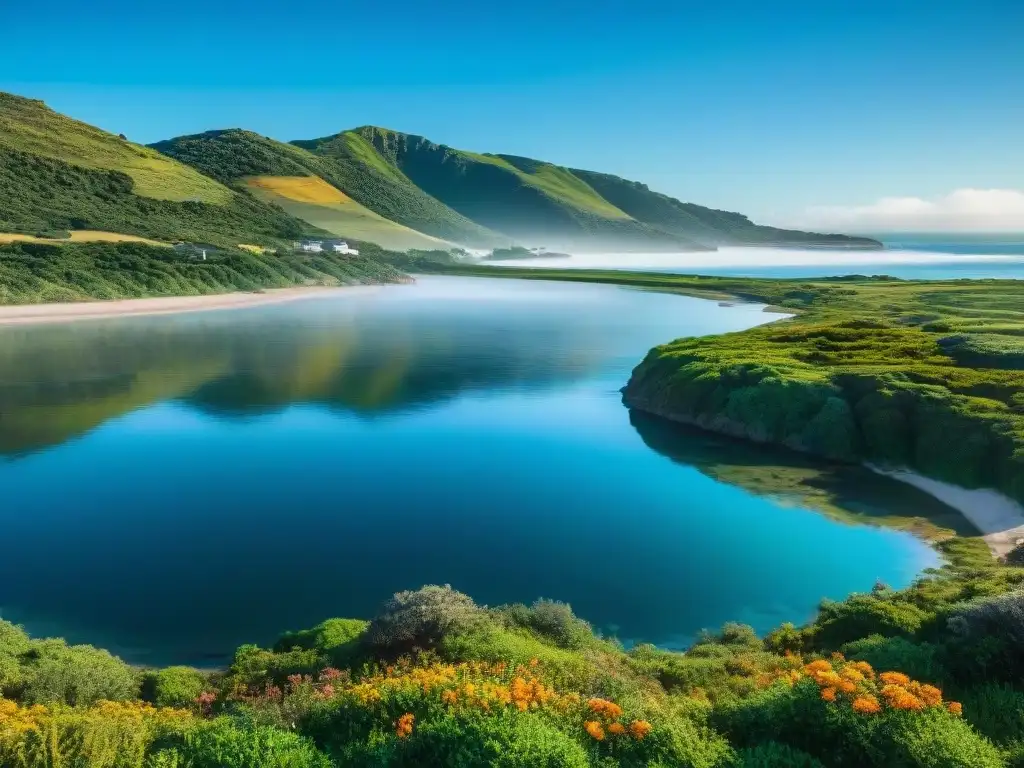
355,166
538,203
58,174
296,181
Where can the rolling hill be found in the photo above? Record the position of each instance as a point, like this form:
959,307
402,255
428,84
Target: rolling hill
58,175
539,203
297,181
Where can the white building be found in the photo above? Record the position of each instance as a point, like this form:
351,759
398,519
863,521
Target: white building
312,246
342,247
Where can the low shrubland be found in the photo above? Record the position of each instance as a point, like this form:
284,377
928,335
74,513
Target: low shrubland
927,676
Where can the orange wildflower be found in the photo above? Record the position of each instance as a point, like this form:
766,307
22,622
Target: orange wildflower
837,656
930,695
616,729
866,705
955,708
817,667
828,694
404,726
640,729
864,668
594,729
894,678
450,697
605,708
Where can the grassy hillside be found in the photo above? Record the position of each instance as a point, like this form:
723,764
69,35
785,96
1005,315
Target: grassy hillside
354,165
524,199
703,224
304,184
30,127
57,174
33,273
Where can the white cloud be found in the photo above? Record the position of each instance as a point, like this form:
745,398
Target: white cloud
962,210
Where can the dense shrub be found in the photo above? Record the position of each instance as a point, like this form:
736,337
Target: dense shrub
863,615
78,674
174,686
227,743
421,619
253,665
1016,556
551,619
510,741
996,710
325,636
785,638
989,636
919,660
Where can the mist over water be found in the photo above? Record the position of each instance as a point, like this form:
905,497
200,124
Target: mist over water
921,259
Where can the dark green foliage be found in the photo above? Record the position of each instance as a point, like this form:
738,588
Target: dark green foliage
989,637
919,660
775,755
1016,556
227,743
54,672
36,273
864,615
996,710
786,638
253,665
421,619
552,620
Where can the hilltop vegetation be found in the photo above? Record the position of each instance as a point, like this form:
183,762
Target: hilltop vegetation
57,174
38,273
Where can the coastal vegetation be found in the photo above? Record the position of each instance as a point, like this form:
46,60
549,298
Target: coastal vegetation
870,369
33,273
927,676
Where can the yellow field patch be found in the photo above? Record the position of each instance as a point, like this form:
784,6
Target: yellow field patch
259,250
80,236
301,189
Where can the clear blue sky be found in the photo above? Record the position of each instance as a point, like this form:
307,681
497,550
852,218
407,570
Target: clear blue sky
764,107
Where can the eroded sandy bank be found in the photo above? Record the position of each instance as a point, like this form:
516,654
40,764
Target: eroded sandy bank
999,518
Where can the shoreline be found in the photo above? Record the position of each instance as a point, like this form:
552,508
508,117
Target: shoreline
57,312
998,518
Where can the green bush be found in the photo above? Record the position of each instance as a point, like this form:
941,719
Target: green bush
76,675
325,636
785,638
552,620
918,660
863,615
508,741
254,666
996,710
989,636
174,686
227,743
421,619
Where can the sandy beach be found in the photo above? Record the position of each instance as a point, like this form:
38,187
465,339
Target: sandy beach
999,518
25,314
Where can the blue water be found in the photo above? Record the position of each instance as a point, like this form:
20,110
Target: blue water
175,486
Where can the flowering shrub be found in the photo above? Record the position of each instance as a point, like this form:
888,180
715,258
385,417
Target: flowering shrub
105,735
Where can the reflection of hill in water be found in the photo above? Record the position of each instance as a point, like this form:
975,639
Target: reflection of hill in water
842,491
58,382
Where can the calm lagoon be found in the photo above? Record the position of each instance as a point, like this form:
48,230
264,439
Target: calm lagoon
175,486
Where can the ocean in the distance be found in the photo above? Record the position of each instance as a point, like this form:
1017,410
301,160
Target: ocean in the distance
906,256
175,486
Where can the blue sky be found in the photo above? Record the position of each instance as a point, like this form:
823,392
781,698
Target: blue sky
770,108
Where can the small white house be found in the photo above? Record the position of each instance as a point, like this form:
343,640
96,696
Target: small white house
342,247
312,246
